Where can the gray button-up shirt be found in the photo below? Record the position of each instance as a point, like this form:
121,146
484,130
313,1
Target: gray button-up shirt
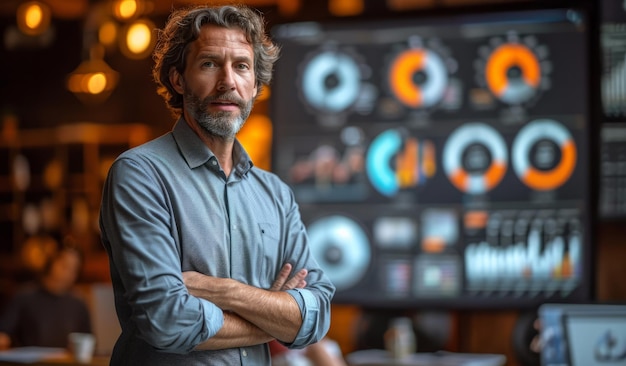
167,207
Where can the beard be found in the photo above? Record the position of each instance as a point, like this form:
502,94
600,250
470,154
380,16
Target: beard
221,124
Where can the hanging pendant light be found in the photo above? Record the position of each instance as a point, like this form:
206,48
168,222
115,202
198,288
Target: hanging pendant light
93,80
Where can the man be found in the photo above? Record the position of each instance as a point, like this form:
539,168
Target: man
201,243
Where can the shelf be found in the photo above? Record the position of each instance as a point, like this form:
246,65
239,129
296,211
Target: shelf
65,166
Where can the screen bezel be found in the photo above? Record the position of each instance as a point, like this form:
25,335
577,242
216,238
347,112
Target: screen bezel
586,291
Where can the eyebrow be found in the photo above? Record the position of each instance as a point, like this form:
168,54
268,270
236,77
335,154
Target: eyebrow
214,56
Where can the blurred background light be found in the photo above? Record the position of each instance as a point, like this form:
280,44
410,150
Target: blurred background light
33,18
127,9
136,39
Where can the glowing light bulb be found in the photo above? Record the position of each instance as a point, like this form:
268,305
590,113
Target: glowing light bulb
96,83
33,16
138,38
126,9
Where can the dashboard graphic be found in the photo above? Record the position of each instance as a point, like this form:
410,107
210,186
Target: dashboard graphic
613,48
612,185
394,162
553,159
475,158
330,81
441,161
418,77
515,69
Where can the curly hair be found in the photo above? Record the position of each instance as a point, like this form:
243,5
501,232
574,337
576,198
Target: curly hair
183,27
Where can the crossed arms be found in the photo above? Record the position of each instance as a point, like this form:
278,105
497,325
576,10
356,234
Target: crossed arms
251,315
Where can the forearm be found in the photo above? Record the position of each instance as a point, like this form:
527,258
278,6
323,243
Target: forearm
236,332
275,312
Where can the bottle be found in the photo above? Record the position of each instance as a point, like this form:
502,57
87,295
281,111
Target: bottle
399,338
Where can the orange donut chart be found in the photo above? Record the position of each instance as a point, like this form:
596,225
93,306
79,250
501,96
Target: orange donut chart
459,140
401,78
465,181
526,138
501,60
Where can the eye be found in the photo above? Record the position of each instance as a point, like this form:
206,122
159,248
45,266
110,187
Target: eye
208,64
243,66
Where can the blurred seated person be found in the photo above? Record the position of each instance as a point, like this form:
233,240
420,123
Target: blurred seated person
326,352
44,315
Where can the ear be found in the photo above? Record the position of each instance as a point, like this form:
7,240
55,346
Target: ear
176,79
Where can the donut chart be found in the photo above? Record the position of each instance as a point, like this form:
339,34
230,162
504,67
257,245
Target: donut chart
526,167
395,162
342,249
418,78
330,81
490,163
513,73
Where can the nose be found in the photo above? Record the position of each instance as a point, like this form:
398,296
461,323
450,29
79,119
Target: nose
226,81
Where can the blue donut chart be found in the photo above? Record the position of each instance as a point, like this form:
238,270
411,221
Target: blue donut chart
348,240
323,65
379,154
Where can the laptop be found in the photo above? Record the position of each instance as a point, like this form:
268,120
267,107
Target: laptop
583,335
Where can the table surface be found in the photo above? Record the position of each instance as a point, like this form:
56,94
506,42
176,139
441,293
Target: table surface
376,357
45,356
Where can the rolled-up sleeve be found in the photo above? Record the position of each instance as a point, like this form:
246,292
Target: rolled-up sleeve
310,310
315,299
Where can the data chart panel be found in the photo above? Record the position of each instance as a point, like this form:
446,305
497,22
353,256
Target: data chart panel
434,160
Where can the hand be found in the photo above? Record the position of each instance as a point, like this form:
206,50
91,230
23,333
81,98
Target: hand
283,283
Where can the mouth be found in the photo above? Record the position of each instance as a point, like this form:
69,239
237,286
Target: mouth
225,104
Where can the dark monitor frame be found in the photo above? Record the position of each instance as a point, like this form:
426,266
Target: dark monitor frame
312,209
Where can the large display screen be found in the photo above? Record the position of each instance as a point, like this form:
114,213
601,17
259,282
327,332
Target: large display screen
441,161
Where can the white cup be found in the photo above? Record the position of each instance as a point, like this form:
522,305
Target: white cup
82,346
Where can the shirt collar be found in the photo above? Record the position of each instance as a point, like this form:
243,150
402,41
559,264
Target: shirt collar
196,153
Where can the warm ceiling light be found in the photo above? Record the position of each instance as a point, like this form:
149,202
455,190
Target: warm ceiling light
137,40
33,18
127,9
93,80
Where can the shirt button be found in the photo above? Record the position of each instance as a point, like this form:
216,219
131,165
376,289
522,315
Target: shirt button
234,227
244,353
213,162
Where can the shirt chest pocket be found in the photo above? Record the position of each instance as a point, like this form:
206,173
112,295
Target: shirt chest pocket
271,253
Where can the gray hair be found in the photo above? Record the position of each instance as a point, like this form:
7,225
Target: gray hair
183,27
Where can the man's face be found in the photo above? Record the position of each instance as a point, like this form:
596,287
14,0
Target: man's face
218,84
